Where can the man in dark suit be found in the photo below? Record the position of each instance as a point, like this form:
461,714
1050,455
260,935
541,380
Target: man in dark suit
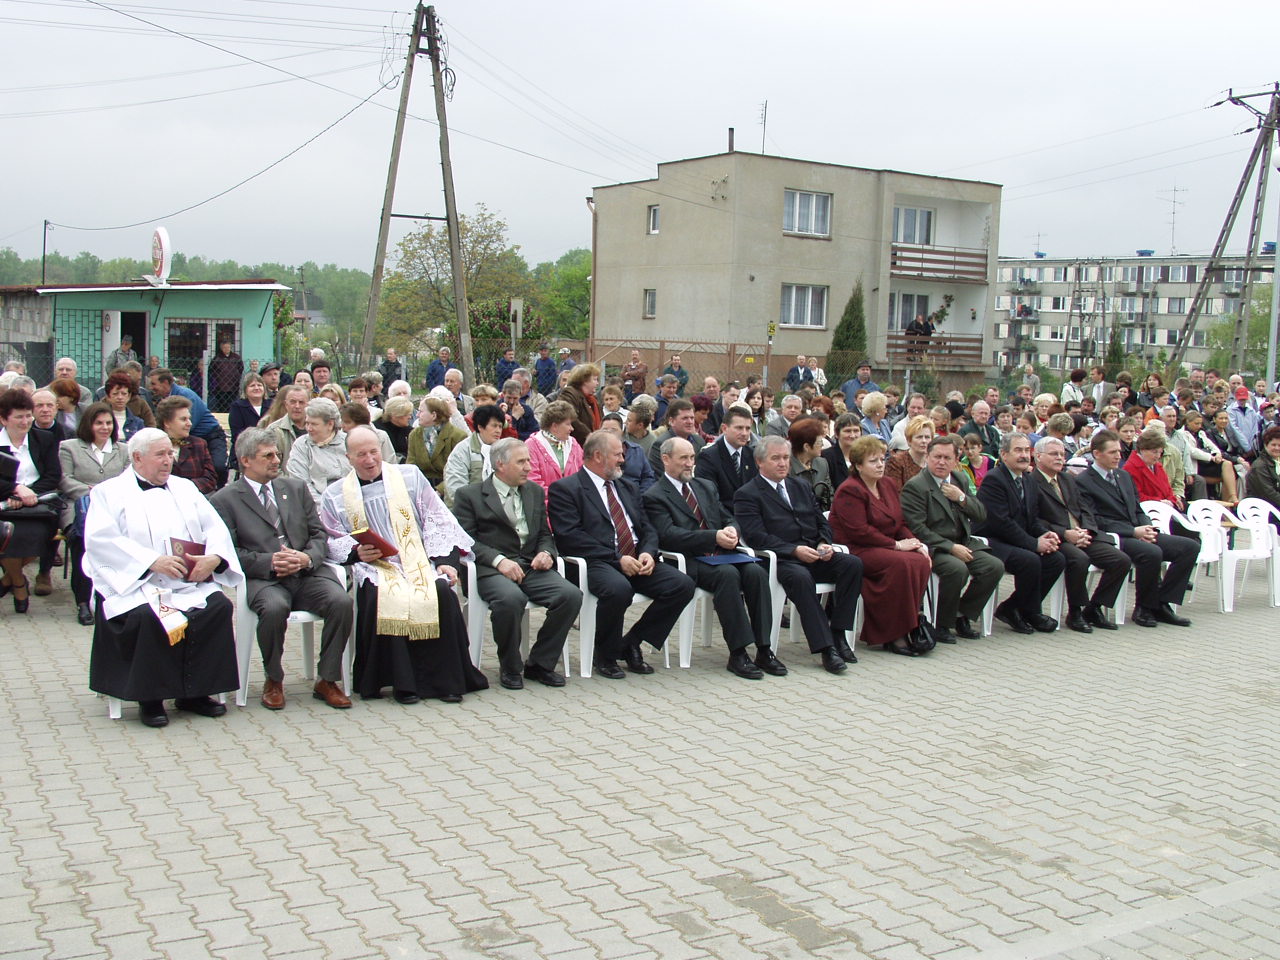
797,375
680,423
598,516
1028,549
1066,513
730,461
515,562
779,513
282,546
691,520
981,426
940,513
1111,493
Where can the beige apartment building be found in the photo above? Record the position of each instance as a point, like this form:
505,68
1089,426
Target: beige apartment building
1060,312
736,247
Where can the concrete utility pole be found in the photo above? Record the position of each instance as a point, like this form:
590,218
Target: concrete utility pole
389,194
1267,127
466,360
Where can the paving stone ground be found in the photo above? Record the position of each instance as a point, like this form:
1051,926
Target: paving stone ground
1066,796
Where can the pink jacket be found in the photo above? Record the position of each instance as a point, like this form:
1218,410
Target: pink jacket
545,469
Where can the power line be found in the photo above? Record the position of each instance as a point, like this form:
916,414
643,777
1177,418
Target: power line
1123,176
235,186
223,16
1117,163
136,31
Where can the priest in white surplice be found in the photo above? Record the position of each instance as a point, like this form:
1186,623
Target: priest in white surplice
159,632
410,635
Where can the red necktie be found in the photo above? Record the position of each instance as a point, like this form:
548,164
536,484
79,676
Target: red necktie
692,501
626,543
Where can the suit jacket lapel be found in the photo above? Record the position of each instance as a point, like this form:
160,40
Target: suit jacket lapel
255,504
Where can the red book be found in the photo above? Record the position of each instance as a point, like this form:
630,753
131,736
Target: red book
188,550
366,536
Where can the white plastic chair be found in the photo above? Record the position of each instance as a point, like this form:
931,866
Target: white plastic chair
1057,599
587,619
988,612
700,606
1206,523
1254,515
477,611
780,602
247,638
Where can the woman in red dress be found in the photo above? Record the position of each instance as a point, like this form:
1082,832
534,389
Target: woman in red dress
866,516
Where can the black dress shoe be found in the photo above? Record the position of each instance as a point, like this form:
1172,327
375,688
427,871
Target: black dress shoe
1077,622
548,677
1144,617
741,665
770,664
832,662
451,698
944,636
1164,613
608,669
512,681
85,615
205,706
1013,619
1094,616
842,648
635,660
406,697
899,646
151,713
1041,622
966,630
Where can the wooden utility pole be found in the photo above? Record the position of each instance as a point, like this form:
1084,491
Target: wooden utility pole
389,194
466,359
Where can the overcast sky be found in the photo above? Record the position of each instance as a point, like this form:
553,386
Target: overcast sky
1088,114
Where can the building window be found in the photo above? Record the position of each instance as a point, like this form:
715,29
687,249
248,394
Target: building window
1060,274
652,219
1178,273
650,304
806,213
1198,338
903,308
912,225
803,306
1177,305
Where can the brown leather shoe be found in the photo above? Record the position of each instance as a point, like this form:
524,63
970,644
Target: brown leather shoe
44,585
273,695
332,694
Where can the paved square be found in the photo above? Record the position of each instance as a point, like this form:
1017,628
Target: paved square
1065,796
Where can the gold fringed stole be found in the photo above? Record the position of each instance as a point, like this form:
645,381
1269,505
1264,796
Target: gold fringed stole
407,602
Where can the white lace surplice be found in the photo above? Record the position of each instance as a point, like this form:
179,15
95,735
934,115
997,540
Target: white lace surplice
440,531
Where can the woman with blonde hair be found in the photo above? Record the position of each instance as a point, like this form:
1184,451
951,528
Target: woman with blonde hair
905,464
554,453
874,424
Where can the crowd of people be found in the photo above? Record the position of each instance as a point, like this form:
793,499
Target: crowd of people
557,479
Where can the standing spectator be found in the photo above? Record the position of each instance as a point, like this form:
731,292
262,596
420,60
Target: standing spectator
635,376
862,381
1031,379
798,374
1245,424
505,367
321,376
225,371
544,369
122,354
819,375
391,368
441,364
567,362
668,390
674,369
271,380
918,333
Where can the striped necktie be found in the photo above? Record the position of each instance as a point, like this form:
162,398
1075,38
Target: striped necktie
626,542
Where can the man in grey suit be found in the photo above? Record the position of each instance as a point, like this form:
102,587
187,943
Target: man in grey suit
282,545
690,519
940,513
515,562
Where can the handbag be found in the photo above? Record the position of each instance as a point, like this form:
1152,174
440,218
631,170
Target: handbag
923,637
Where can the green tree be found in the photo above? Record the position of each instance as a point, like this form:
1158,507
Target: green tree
1221,331
851,332
1115,358
562,294
417,296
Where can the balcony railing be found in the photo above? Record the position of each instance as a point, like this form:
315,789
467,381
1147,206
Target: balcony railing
955,264
948,351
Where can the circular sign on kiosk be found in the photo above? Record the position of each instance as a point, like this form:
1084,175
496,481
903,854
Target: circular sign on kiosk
161,253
